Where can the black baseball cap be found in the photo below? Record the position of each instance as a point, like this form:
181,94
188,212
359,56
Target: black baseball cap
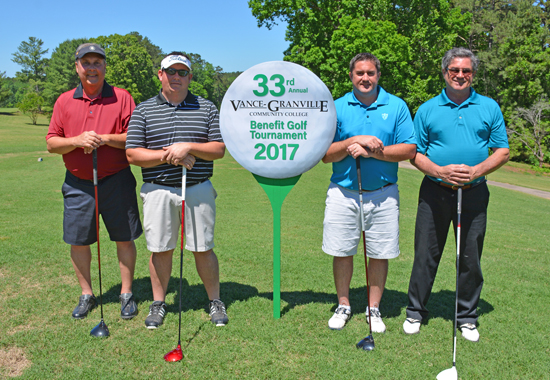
86,48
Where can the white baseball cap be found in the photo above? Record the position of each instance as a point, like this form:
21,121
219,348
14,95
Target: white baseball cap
173,59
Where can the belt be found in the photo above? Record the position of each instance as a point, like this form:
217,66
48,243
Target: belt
465,187
177,186
370,191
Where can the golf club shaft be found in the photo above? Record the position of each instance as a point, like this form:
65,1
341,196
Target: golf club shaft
94,159
458,212
183,186
358,165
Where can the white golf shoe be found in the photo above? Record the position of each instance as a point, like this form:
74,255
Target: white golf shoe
411,326
378,325
469,332
339,319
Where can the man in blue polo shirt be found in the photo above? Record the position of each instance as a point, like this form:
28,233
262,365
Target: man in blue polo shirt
454,131
377,127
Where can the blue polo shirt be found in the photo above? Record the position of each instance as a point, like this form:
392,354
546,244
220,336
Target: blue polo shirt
389,119
448,133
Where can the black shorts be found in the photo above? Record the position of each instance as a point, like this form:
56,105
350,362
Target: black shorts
118,208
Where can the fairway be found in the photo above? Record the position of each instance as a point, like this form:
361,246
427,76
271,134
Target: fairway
38,289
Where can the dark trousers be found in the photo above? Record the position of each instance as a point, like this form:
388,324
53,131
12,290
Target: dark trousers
437,207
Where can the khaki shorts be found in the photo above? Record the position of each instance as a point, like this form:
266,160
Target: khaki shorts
162,216
342,224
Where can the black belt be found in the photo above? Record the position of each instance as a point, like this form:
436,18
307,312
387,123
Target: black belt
386,185
177,186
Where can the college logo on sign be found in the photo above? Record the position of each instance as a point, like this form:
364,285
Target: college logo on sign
384,116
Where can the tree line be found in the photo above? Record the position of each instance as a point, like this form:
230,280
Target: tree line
511,38
410,37
132,64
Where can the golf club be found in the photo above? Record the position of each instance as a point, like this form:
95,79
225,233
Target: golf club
177,355
451,374
366,343
101,330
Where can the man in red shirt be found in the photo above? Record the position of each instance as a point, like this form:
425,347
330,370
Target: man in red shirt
95,115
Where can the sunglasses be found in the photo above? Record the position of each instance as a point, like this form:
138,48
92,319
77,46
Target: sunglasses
170,71
455,71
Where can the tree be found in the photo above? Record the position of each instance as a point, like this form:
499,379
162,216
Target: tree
16,90
532,127
129,66
61,74
408,36
30,56
31,105
512,41
4,91
203,76
153,50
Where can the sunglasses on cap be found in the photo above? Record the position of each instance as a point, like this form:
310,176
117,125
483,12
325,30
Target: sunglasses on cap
182,73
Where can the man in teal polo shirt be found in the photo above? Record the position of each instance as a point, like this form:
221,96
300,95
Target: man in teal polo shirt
377,127
454,133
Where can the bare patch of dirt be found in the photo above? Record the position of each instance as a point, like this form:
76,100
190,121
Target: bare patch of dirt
13,362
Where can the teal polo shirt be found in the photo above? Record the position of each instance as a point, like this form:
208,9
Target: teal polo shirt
448,133
389,119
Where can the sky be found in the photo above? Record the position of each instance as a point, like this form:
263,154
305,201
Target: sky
223,32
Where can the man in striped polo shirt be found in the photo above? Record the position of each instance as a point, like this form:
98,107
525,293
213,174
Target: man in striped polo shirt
171,130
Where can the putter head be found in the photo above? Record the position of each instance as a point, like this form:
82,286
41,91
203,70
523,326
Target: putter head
366,344
448,374
100,331
174,355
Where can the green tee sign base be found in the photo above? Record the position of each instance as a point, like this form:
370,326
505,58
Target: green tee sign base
277,190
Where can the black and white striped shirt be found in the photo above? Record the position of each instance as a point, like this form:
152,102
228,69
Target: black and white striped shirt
156,123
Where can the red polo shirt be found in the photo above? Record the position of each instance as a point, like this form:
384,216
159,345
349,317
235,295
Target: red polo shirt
74,113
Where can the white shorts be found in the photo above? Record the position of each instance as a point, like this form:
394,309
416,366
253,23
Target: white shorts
162,216
342,224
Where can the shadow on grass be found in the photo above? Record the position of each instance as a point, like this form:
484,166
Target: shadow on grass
441,305
37,125
194,297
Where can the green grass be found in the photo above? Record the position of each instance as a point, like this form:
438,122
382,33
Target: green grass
519,174
38,289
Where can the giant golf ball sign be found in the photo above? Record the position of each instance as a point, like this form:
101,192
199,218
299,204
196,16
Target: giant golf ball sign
278,119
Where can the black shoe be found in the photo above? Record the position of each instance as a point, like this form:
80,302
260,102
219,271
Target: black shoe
217,313
128,307
157,310
86,303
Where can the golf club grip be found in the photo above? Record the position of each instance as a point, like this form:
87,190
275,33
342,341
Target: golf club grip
358,166
459,201
94,160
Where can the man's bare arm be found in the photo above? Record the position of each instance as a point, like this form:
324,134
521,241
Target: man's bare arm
459,174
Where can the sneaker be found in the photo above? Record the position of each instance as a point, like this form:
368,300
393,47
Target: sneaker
339,319
86,303
128,307
217,313
469,332
378,325
411,326
156,315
